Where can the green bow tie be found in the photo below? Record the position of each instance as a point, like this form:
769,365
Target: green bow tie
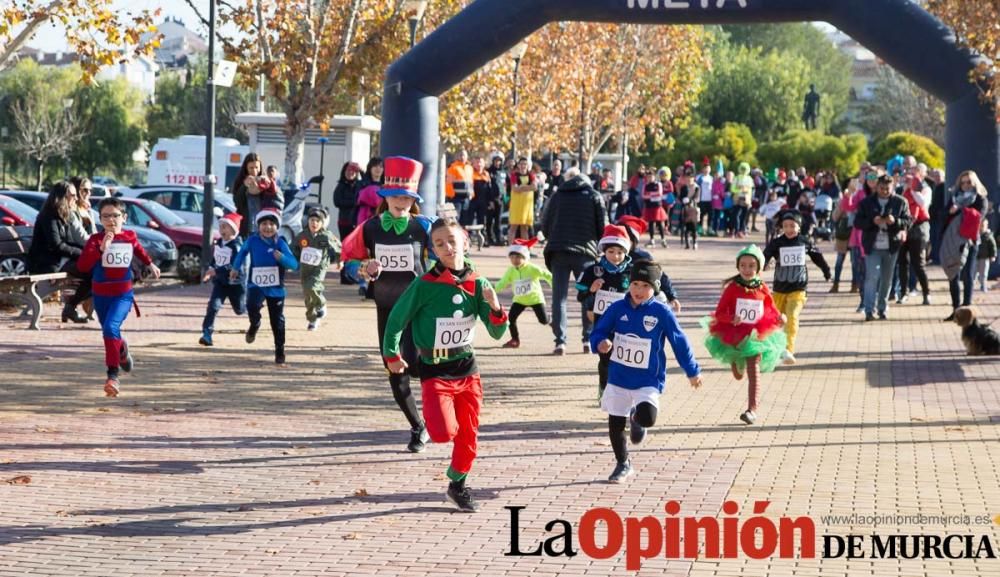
390,222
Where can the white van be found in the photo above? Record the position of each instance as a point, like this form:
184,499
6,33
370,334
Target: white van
181,160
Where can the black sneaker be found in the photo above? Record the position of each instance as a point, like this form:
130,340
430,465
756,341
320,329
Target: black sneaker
418,440
882,317
622,471
748,417
125,358
637,433
279,358
949,318
461,498
927,300
869,317
252,334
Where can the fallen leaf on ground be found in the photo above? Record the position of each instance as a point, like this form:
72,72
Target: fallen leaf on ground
19,480
959,429
45,430
351,537
103,410
314,482
361,493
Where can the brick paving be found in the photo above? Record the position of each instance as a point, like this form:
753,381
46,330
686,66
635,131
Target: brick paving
214,462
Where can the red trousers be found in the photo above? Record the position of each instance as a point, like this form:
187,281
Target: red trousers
451,412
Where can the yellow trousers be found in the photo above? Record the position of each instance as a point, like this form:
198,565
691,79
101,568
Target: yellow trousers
790,304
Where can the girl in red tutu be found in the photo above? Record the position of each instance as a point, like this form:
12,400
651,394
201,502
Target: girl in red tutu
745,331
653,197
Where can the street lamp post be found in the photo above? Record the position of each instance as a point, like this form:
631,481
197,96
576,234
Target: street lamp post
67,106
324,126
208,209
3,154
628,90
517,53
414,11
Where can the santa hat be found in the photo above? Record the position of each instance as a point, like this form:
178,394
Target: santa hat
615,234
635,223
233,219
522,247
271,213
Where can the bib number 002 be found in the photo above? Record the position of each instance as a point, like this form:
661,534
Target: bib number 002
451,333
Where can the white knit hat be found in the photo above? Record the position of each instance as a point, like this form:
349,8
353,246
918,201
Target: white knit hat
267,213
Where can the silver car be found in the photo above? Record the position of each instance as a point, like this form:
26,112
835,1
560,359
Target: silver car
185,201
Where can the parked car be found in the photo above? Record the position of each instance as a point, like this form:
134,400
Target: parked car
161,249
146,213
185,201
17,221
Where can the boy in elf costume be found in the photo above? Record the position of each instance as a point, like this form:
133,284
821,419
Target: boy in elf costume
108,257
524,277
442,308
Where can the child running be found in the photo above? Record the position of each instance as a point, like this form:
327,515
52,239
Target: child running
524,277
315,247
743,333
224,287
791,277
442,307
652,198
394,244
639,325
269,256
604,282
108,257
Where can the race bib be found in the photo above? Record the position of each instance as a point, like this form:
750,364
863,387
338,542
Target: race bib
522,287
655,197
793,256
749,310
450,333
118,255
312,256
882,240
395,257
604,299
631,351
223,255
265,276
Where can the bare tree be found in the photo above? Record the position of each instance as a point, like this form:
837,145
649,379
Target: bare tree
43,134
899,104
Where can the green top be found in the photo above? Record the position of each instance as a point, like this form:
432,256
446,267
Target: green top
442,310
530,292
323,241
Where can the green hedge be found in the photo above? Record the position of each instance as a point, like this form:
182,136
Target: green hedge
906,143
815,151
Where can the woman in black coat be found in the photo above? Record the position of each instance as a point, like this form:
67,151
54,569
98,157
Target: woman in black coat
53,247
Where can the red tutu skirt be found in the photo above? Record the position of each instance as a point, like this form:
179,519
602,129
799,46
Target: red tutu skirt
654,214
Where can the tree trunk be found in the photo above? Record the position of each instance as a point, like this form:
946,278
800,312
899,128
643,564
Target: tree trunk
38,177
294,150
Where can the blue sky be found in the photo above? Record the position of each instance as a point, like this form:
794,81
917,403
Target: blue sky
52,37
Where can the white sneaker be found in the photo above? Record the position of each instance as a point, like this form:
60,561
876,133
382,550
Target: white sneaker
312,325
788,358
560,350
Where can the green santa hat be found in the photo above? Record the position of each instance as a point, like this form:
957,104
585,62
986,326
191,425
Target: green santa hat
754,251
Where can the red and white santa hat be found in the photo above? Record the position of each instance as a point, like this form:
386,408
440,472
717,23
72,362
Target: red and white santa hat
522,247
233,219
271,213
616,235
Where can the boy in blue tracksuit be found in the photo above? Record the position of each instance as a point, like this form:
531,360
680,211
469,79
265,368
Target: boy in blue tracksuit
633,331
224,251
269,257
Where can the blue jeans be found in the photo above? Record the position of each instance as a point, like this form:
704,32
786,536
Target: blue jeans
967,275
838,267
236,295
562,264
879,267
461,207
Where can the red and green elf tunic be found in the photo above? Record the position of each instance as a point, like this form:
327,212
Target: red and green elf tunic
442,308
759,333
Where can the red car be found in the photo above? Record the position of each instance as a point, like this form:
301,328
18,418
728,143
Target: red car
153,215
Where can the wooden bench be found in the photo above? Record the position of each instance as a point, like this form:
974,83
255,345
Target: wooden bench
30,290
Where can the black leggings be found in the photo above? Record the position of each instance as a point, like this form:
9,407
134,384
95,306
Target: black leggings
400,384
275,314
645,415
655,225
515,311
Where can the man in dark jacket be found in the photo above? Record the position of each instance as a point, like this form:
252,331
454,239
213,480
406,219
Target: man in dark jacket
883,219
572,223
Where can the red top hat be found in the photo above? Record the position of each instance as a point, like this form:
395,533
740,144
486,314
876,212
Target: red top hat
401,177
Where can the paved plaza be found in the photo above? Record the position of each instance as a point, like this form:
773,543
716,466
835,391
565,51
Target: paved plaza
214,462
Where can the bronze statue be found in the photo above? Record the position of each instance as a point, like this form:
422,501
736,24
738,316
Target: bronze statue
810,108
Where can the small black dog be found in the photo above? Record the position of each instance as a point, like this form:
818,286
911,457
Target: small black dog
978,339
